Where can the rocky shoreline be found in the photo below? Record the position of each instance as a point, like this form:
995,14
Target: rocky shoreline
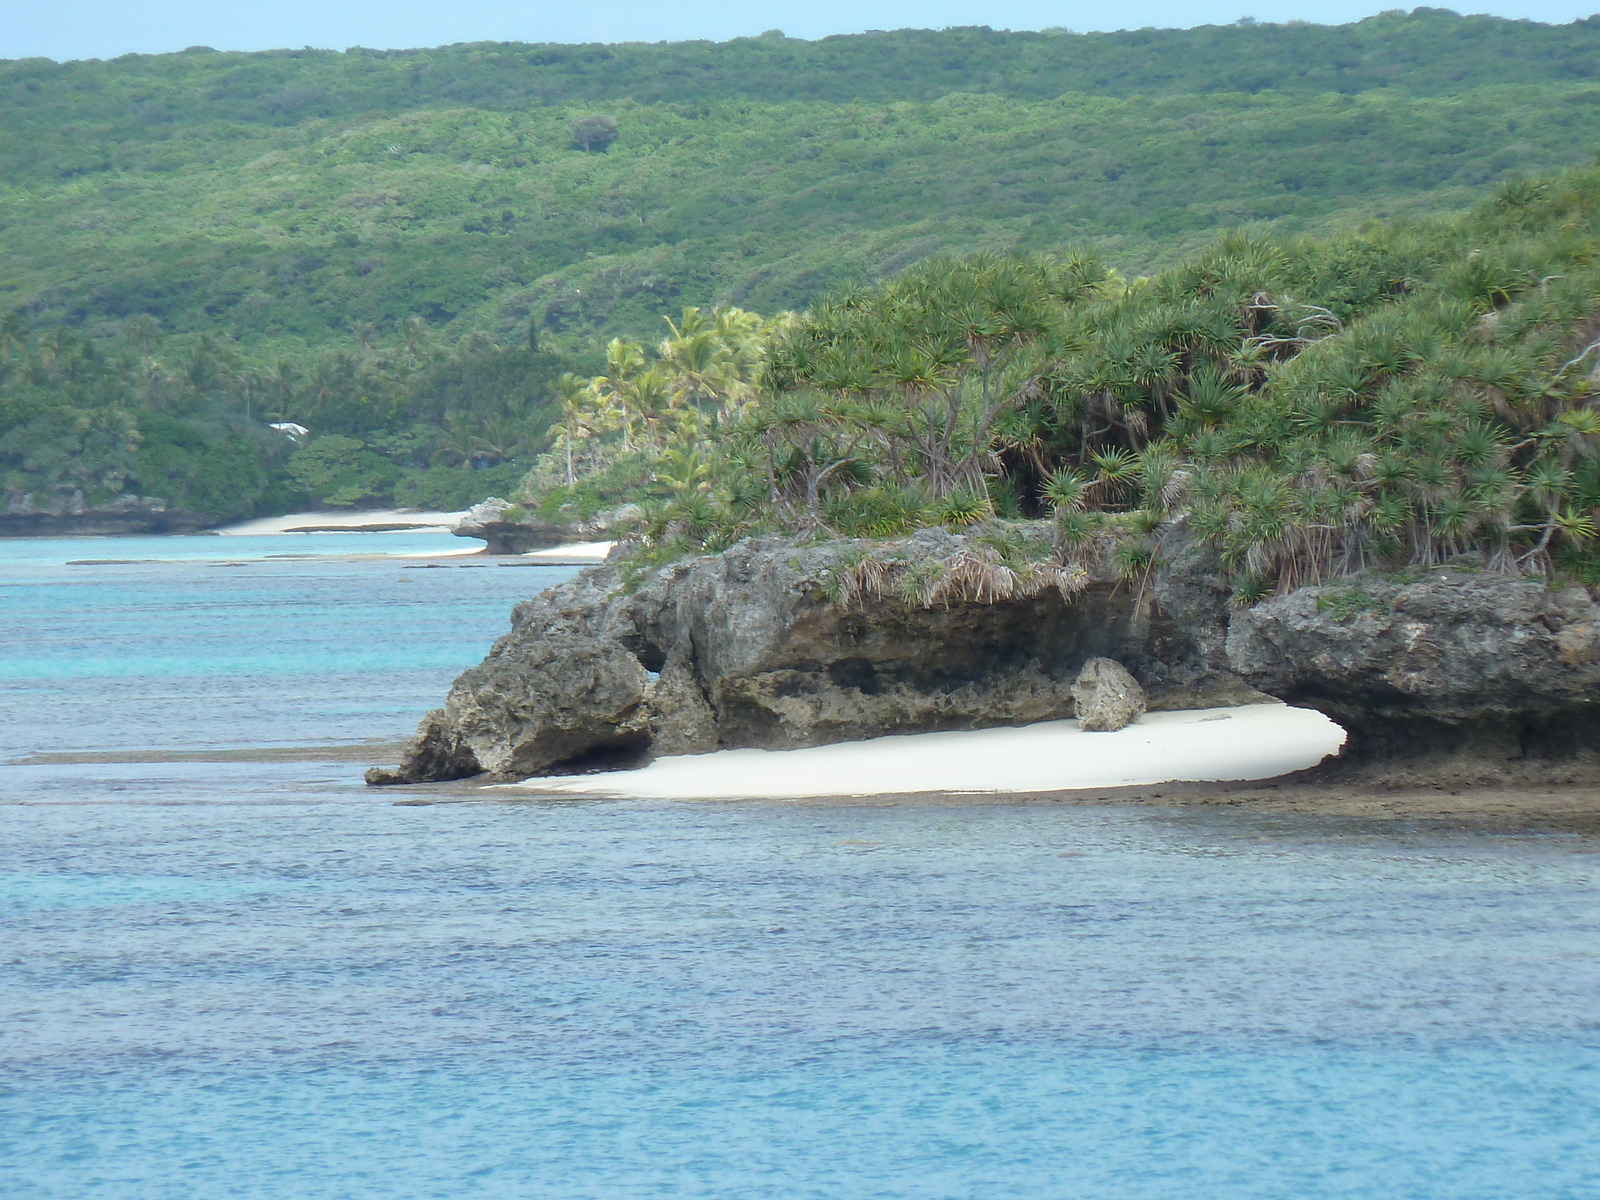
1454,673
71,517
505,529
1286,803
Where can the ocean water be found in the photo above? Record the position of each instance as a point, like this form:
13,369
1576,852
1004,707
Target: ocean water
228,970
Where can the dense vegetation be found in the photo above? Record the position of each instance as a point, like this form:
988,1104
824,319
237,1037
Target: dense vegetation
402,420
407,250
1309,407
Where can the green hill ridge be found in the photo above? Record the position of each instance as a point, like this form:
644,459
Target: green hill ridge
378,243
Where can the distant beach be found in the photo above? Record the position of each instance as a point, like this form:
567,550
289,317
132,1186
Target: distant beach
399,520
390,520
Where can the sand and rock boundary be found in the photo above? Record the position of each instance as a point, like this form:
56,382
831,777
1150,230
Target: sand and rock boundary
1458,672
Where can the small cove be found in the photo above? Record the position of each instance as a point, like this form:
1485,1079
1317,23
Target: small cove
231,969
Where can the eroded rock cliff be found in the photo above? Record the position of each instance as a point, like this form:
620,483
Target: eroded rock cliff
753,647
760,646
505,529
1459,665
69,516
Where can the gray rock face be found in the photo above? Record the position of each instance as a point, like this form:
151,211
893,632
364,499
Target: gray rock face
751,651
1458,663
483,521
681,719
69,516
1107,697
746,648
486,521
432,753
560,688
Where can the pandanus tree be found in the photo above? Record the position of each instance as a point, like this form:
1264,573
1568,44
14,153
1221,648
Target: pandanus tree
811,438
1306,409
947,349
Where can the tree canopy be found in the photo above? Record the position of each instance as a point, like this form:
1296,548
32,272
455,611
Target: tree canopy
411,249
1310,408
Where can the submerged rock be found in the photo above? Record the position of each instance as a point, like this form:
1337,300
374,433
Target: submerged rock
1107,697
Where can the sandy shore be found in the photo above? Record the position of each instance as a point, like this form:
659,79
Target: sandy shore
1250,760
400,520
394,519
1250,742
578,553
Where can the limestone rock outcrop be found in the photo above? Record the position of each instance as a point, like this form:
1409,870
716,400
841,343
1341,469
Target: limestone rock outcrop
69,516
485,521
1459,663
505,529
1106,697
759,646
752,648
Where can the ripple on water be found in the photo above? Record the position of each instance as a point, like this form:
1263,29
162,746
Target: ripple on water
254,979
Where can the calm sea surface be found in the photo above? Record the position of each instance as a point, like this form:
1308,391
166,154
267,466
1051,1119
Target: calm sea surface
259,979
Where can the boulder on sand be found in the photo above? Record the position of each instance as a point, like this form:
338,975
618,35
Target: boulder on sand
1108,698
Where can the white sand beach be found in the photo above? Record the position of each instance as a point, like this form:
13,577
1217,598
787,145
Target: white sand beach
400,520
578,552
396,518
1256,741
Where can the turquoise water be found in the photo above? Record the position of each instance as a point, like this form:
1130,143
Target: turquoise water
214,650
258,979
26,553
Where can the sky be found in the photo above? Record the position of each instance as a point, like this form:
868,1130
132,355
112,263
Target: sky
65,29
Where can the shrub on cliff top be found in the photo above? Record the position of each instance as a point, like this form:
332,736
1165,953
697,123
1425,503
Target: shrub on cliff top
1310,408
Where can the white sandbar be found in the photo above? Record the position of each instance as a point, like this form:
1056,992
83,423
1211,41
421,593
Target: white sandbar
419,522
578,552
1255,741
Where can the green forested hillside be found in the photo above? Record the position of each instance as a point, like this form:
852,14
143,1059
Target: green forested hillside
1309,407
489,220
288,197
1428,51
325,237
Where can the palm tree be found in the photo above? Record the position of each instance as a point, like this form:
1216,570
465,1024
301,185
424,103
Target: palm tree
416,339
142,332
689,323
616,389
572,393
697,362
281,379
458,443
502,438
653,397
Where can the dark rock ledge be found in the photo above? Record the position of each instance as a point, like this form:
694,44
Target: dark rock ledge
505,529
70,517
1469,674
